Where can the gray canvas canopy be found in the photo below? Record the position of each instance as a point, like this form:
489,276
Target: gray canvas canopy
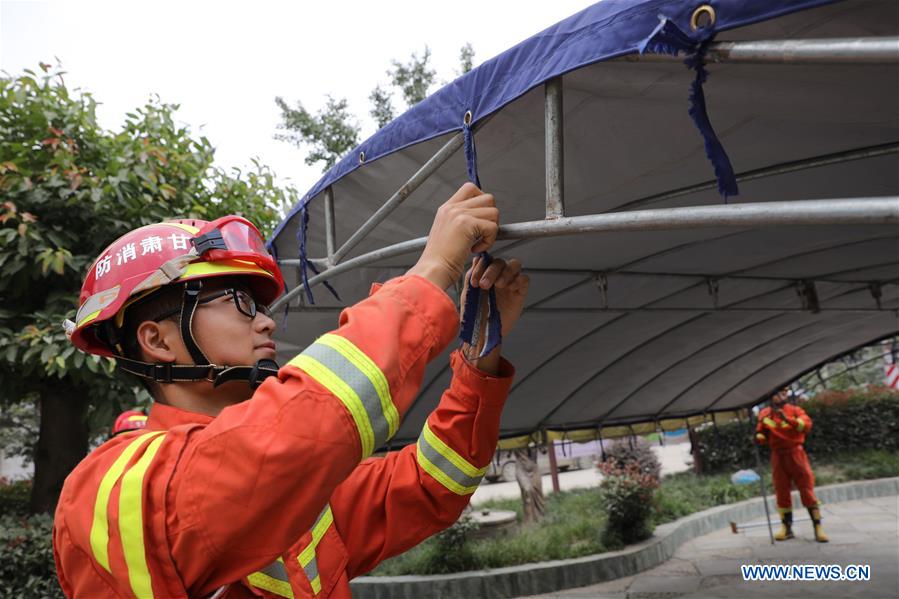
652,300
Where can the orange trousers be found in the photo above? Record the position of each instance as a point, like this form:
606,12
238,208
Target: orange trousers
791,466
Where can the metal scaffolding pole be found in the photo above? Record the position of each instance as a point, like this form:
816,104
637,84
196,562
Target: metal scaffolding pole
330,229
858,211
771,171
830,51
555,164
420,176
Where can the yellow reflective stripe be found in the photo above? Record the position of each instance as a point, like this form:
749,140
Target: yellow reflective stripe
366,365
449,453
100,526
760,436
316,584
800,424
769,422
273,578
131,522
202,269
345,394
272,585
189,228
306,558
325,519
88,318
440,476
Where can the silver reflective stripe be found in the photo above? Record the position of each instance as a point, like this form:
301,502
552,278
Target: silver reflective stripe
446,466
273,578
360,384
311,570
276,570
96,303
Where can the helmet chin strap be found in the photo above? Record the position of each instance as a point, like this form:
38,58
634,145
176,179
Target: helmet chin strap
202,369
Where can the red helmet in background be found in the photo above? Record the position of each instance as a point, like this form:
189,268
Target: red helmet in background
130,420
145,259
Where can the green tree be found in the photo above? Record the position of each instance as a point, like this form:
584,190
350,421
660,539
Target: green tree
70,187
466,58
333,131
413,78
381,106
328,134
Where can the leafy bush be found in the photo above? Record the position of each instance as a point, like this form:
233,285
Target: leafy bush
842,422
636,451
14,496
452,549
26,557
626,494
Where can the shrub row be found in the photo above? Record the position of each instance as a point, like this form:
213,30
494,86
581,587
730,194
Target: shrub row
842,422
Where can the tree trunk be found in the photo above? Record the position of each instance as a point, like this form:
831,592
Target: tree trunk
531,484
62,442
694,449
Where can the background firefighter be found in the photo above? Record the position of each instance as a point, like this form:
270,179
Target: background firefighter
783,426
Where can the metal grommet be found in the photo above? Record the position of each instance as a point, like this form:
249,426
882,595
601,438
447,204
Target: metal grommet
361,157
703,17
466,120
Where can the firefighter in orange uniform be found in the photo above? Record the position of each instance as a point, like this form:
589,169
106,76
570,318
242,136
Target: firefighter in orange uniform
255,481
783,427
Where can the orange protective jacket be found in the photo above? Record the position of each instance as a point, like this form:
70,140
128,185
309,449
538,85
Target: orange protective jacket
269,498
783,433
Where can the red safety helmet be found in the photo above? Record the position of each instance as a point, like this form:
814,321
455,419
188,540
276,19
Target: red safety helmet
130,420
175,252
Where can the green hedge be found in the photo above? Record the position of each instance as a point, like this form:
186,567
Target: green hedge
26,553
843,422
26,557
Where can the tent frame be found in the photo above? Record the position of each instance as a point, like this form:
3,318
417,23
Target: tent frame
832,51
871,210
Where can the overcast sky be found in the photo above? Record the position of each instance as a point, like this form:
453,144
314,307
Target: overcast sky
224,62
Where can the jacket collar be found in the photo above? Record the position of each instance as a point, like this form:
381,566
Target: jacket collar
163,417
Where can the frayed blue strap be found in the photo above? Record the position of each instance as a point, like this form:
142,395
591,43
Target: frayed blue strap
472,314
305,264
668,38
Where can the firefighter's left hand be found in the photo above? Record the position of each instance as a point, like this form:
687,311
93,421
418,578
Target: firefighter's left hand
511,286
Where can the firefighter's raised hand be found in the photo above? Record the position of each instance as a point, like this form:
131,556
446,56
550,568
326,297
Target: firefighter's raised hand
467,222
511,286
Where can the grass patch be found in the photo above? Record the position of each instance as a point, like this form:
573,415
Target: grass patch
574,519
570,529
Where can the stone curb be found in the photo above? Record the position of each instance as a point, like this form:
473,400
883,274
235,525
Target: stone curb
547,577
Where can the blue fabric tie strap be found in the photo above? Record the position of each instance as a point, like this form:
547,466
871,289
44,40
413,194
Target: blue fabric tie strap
668,38
472,312
471,155
305,264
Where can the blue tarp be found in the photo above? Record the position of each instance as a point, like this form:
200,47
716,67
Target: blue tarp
606,30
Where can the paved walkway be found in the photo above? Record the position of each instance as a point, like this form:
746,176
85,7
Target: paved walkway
861,532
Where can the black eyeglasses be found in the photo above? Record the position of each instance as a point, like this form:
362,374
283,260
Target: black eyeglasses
243,301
